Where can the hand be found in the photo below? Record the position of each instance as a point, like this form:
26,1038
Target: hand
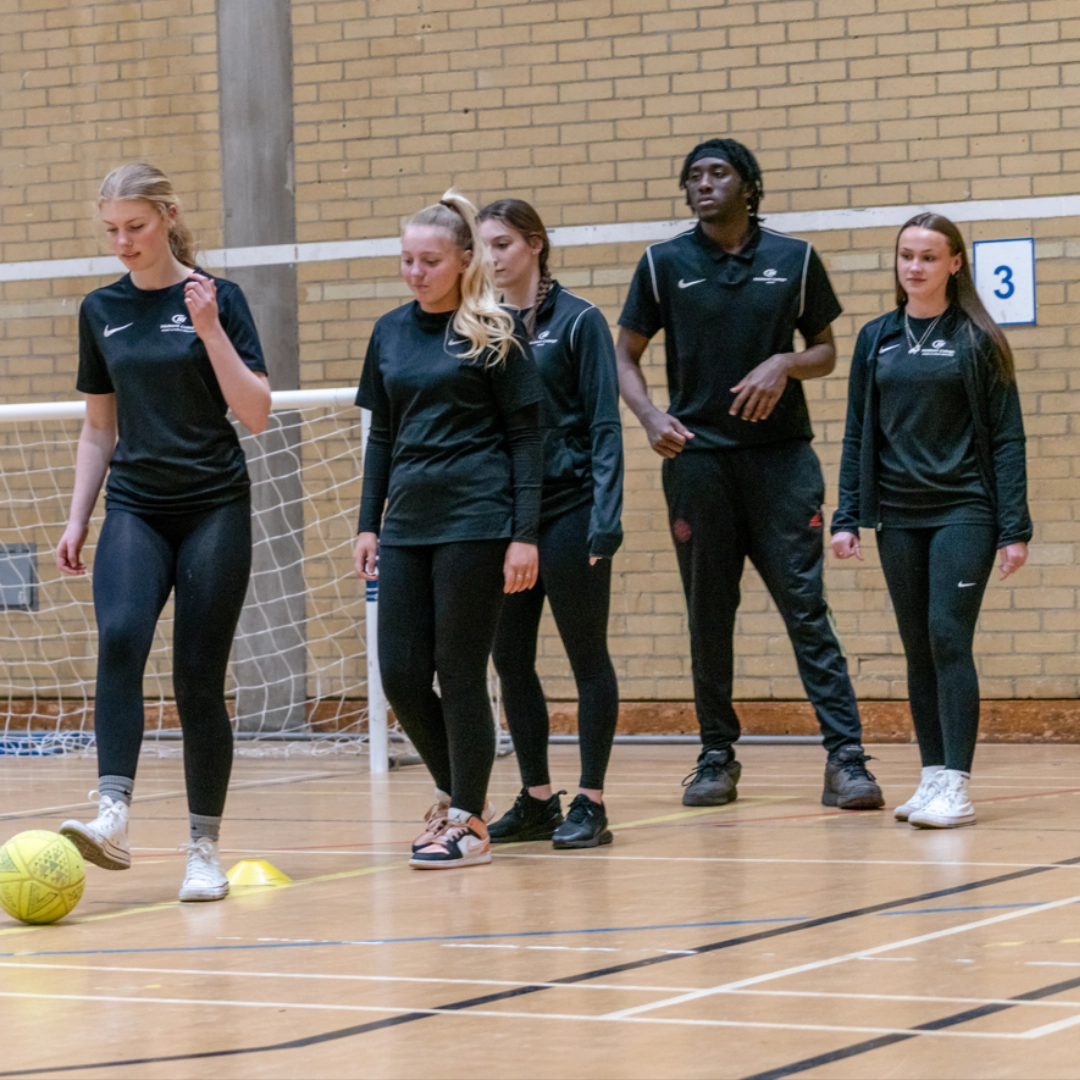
666,435
1013,556
200,296
521,567
845,544
69,549
756,394
366,556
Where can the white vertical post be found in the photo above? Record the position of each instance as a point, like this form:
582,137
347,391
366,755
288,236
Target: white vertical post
378,712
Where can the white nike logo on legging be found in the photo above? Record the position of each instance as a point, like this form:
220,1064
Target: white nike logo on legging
965,584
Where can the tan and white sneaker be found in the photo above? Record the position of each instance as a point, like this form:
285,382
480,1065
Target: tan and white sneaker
435,819
204,879
950,807
926,790
463,841
103,841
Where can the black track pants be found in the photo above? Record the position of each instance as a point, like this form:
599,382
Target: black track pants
936,579
764,503
438,608
140,559
580,596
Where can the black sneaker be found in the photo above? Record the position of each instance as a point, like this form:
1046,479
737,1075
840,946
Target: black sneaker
849,785
713,782
585,825
528,819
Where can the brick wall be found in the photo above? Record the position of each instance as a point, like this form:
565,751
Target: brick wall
585,107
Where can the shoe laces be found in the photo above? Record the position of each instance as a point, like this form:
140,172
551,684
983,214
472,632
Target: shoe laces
854,765
581,809
709,767
111,812
203,866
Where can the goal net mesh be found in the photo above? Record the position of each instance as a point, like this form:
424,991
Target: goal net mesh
299,673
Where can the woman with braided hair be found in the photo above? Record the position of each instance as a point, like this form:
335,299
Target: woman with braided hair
579,533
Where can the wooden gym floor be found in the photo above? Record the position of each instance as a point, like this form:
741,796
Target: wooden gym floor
769,938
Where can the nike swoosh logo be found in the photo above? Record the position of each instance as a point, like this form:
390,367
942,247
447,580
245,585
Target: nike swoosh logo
116,329
965,584
456,341
687,284
889,348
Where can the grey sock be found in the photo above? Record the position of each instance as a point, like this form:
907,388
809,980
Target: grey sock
118,788
203,825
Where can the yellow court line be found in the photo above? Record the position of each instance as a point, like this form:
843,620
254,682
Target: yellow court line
765,799
237,894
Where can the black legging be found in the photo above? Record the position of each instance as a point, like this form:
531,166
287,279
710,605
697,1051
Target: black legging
140,559
936,579
580,595
438,608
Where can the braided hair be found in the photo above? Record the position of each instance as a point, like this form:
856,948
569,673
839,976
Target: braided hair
520,216
741,160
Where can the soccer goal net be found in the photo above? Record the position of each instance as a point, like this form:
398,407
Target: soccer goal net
301,676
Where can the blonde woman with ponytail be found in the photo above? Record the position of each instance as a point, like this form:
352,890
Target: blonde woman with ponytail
450,509
164,353
580,531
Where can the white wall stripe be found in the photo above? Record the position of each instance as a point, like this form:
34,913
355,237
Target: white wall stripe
630,232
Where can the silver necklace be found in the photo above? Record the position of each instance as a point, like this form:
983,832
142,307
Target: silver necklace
915,345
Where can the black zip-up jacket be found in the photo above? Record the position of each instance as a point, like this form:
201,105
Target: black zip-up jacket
579,416
998,426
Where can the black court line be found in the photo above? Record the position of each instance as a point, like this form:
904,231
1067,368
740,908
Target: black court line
569,980
931,1025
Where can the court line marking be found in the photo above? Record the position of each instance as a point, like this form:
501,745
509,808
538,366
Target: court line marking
499,1014
586,976
793,919
160,796
832,1056
844,958
232,973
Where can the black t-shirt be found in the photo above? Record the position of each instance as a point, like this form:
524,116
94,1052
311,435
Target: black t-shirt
176,452
929,474
722,315
450,468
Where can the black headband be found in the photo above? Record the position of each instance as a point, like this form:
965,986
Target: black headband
711,150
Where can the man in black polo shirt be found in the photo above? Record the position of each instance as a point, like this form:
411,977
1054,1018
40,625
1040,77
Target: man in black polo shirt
739,474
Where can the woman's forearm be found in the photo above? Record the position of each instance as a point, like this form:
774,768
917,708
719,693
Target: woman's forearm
92,459
246,392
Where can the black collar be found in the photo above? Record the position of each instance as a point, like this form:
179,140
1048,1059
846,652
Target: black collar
745,254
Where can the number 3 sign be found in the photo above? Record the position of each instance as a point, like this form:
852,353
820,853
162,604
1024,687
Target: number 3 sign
1005,279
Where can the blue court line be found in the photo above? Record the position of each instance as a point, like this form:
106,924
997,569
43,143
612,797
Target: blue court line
399,941
974,907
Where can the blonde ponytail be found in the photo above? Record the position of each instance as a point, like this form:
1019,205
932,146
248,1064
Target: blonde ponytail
479,318
142,182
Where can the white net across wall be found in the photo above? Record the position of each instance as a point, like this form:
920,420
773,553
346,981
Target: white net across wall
299,676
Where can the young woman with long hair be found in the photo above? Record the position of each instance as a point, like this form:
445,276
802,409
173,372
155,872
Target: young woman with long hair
934,461
449,511
163,354
580,531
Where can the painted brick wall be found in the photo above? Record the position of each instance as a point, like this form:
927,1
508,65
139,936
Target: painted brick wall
585,107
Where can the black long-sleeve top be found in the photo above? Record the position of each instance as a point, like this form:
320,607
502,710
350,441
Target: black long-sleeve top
454,451
995,436
579,416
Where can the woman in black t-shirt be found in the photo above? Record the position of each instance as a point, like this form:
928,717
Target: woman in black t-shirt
580,531
934,461
449,511
163,353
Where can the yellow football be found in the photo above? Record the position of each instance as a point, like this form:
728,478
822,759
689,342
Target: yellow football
41,876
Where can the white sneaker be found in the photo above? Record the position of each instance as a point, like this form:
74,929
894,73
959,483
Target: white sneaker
923,793
104,841
204,879
950,806
464,841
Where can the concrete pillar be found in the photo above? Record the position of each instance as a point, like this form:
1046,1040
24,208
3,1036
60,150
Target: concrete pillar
256,117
